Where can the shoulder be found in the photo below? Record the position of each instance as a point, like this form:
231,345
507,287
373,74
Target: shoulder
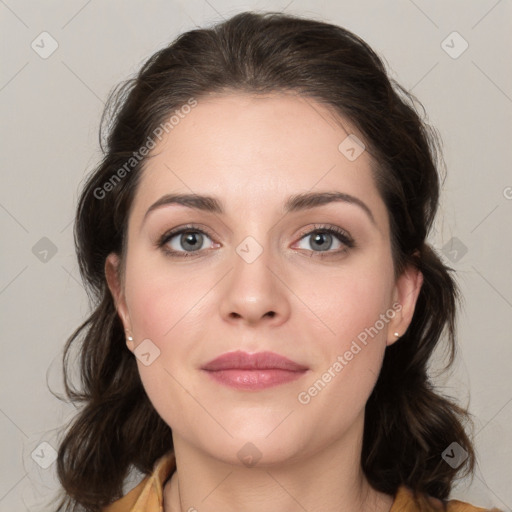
405,502
127,502
147,496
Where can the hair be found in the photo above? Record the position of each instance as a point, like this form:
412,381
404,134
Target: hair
408,423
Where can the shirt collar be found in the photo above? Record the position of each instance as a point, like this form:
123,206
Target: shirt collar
147,496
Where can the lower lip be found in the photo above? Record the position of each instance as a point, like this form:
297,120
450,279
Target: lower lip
254,379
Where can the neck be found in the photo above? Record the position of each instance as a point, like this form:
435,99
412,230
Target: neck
330,480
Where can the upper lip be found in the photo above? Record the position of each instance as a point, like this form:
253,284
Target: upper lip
258,361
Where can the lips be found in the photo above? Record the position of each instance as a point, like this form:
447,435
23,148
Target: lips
260,361
252,372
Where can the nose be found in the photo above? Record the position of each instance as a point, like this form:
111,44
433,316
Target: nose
255,292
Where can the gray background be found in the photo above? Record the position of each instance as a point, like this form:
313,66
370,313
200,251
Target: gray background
51,108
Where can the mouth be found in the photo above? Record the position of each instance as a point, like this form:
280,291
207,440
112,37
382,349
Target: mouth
257,371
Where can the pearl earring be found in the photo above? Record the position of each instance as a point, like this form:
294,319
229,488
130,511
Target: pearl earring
397,335
130,338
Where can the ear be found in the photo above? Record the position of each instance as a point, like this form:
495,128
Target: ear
112,274
405,293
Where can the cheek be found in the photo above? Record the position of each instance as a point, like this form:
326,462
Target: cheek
165,308
161,309
347,303
356,307
160,302
355,311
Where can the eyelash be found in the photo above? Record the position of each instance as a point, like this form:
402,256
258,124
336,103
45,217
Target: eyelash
342,236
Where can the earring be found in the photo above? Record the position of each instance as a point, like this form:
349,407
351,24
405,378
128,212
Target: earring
129,338
397,335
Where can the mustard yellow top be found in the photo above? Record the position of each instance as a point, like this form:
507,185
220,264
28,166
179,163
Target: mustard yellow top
147,496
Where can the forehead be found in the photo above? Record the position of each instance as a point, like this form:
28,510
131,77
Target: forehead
254,151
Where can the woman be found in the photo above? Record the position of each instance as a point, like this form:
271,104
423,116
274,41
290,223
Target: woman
266,303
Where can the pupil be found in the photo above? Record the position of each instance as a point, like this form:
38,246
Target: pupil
321,237
190,239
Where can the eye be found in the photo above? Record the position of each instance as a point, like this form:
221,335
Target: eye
187,240
322,239
183,242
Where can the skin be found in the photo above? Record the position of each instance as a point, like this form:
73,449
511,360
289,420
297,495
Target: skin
252,153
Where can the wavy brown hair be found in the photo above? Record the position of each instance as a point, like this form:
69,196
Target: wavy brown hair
408,423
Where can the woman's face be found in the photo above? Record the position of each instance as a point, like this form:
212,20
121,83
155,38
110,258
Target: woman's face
258,277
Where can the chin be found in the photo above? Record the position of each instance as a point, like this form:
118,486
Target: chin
252,448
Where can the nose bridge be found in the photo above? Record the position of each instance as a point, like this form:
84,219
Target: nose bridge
253,290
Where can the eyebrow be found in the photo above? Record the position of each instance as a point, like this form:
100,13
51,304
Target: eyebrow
294,203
